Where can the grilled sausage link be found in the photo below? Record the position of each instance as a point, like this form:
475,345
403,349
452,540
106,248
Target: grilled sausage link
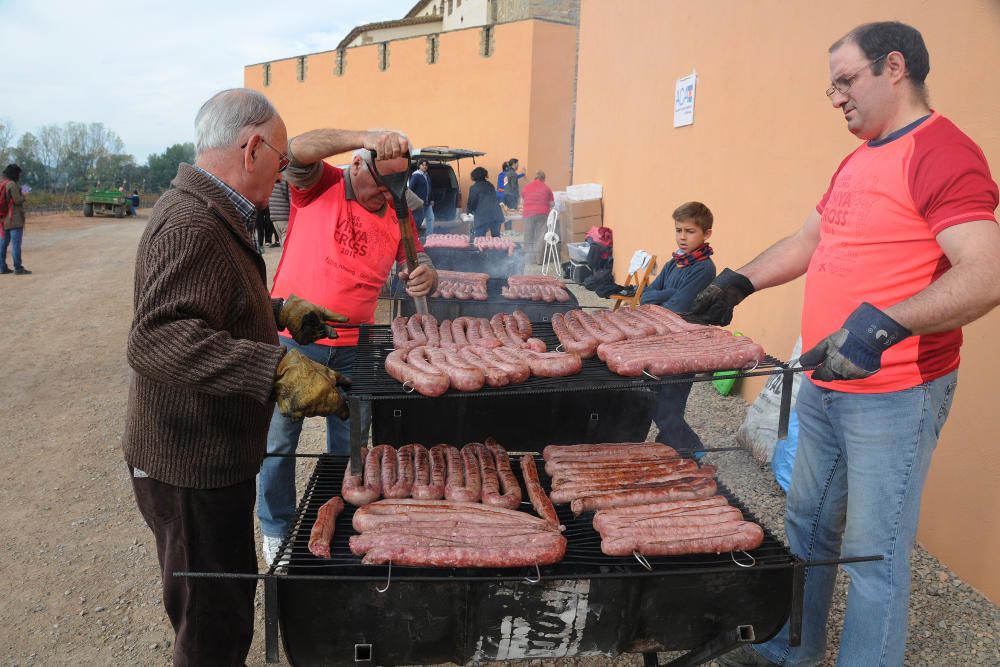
510,490
321,534
356,489
539,500
402,485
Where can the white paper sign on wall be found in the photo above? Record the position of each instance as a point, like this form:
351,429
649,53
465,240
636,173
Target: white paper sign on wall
684,100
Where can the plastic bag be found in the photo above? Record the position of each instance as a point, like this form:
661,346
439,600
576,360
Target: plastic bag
759,430
784,453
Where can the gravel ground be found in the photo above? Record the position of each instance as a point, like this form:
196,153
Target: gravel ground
79,565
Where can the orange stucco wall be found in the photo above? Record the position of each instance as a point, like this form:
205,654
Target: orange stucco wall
512,104
763,146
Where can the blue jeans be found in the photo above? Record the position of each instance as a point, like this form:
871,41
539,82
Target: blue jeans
276,481
879,446
428,220
11,237
668,415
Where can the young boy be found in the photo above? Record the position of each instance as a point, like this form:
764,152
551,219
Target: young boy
689,271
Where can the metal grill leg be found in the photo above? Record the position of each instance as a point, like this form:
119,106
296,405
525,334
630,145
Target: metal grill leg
271,619
724,643
786,404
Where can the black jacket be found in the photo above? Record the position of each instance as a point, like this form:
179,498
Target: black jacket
484,205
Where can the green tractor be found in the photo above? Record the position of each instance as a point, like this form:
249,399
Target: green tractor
107,202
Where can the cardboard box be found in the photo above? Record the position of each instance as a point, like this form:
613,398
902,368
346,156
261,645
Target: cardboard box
584,209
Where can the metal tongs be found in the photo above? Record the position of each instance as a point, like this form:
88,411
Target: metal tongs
396,184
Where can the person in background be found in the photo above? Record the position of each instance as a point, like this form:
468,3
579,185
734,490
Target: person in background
538,201
265,231
689,271
136,200
420,184
482,204
12,200
279,207
207,370
901,251
501,182
512,184
343,238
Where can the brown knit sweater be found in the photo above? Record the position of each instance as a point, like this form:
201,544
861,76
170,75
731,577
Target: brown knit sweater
203,345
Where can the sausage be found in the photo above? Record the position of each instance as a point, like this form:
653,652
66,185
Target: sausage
544,364
415,331
463,376
501,332
400,336
639,523
493,557
624,477
421,466
517,371
666,508
617,447
431,481
510,489
429,324
463,483
490,485
698,487
535,345
473,477
716,538
388,462
523,323
359,490
458,332
495,376
539,500
321,534
593,328
409,510
569,340
402,483
425,383
446,336
572,490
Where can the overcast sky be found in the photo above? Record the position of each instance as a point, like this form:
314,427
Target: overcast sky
144,68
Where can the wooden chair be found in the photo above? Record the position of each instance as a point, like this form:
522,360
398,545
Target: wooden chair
640,278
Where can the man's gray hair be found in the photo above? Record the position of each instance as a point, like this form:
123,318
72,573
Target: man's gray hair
365,155
224,116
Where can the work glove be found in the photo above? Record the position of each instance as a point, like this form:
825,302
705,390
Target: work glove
715,303
306,321
854,351
304,388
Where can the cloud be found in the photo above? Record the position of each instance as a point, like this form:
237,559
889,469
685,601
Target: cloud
143,69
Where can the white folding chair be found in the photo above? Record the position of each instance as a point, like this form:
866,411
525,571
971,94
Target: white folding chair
550,257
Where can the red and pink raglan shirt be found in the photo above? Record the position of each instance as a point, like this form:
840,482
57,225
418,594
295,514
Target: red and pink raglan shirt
337,253
885,206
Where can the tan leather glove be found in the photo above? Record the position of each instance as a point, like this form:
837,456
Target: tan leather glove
304,388
306,321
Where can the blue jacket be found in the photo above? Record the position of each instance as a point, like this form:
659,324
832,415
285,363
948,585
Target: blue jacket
421,186
675,288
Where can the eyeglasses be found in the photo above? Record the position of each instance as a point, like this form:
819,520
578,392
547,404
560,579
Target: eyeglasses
843,84
283,160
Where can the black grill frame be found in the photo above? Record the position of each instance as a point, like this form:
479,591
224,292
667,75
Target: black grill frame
583,559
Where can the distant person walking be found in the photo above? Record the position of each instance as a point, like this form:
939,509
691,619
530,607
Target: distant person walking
420,184
483,205
512,185
12,219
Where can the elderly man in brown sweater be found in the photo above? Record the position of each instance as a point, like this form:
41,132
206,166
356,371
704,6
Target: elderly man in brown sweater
207,370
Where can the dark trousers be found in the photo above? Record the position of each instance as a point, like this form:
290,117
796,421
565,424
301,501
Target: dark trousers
266,232
668,415
204,530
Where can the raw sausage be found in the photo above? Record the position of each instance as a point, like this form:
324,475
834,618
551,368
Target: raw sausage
539,500
321,534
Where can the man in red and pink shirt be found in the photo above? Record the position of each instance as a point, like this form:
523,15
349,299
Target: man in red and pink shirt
901,251
343,237
538,200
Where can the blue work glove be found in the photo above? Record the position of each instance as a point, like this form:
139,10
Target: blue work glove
854,351
715,303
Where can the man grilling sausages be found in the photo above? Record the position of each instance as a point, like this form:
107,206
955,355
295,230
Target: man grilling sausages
901,251
343,237
207,369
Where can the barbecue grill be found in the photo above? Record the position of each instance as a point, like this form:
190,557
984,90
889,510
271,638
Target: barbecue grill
497,263
449,309
337,611
371,385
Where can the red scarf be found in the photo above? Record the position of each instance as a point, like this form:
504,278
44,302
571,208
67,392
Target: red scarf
683,259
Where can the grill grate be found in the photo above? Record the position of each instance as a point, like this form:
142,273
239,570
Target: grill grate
583,554
370,381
